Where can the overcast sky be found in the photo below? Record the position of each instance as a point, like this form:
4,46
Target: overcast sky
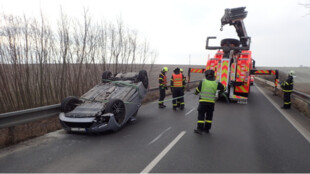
177,29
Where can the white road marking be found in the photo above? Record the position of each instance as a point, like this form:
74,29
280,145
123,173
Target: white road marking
298,126
190,111
155,139
149,167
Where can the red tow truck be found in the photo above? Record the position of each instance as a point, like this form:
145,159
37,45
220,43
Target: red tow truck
233,63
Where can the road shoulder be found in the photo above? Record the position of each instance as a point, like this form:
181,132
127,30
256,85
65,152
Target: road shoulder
297,119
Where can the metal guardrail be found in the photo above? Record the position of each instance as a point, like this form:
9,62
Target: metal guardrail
28,115
301,95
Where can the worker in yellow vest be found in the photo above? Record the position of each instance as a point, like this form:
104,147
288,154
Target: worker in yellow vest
207,92
177,83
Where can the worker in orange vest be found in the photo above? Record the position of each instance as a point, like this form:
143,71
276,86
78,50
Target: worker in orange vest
162,79
177,83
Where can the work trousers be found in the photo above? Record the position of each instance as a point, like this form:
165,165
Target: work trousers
287,100
178,93
205,115
162,95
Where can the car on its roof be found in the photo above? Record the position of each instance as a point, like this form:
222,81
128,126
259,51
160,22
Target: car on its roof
107,106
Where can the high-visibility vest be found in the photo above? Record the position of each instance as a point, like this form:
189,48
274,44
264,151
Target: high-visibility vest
164,79
177,80
208,91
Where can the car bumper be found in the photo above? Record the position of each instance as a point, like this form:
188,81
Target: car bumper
88,124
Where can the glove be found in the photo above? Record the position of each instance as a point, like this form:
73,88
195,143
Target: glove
166,87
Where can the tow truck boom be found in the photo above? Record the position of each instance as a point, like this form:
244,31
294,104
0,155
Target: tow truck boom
235,16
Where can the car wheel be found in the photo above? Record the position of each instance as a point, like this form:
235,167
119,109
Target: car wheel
69,103
142,77
106,76
116,107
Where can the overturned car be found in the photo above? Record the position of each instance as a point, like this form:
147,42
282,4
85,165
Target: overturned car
107,106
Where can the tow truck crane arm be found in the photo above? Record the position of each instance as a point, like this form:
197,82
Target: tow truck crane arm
235,16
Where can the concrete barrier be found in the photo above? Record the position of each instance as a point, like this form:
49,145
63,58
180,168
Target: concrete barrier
17,133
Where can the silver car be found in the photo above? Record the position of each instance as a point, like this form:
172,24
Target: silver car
107,106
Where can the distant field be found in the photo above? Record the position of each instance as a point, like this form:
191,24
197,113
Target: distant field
301,82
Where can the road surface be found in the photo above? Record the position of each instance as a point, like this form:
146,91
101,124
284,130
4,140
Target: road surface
257,137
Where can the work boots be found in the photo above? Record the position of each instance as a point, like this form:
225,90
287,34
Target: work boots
161,106
198,131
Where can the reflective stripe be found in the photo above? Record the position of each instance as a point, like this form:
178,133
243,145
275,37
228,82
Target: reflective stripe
200,121
210,101
287,90
182,103
286,103
174,104
160,102
197,90
208,121
207,94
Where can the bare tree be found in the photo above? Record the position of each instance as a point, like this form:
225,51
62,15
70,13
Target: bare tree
39,66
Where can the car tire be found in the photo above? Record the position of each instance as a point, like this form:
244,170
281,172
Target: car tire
106,75
69,103
142,77
116,107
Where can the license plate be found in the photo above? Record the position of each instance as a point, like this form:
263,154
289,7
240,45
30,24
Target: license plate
78,129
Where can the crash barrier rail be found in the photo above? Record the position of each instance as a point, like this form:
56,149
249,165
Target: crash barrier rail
300,95
33,114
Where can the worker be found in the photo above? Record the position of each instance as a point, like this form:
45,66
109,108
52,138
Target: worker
207,89
177,83
287,88
162,79
178,101
181,71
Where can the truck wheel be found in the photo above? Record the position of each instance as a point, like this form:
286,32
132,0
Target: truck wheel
116,107
69,103
106,75
142,77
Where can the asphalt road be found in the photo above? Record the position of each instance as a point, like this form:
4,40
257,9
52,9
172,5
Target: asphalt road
244,138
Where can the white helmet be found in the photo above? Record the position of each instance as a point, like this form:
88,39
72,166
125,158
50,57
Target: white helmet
291,73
